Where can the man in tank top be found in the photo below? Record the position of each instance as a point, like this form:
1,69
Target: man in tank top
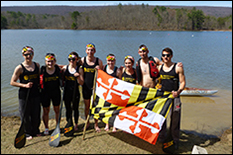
28,74
173,80
90,63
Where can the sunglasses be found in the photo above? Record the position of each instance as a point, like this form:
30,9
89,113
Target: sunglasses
30,54
168,55
72,59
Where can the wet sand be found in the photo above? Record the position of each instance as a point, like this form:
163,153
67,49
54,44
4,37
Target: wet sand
207,115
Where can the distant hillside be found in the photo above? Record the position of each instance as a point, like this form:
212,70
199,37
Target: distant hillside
64,10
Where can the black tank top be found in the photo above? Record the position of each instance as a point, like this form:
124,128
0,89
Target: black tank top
169,80
114,74
51,82
89,73
25,77
70,80
129,78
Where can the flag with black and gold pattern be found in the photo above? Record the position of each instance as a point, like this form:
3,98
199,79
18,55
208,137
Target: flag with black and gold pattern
135,109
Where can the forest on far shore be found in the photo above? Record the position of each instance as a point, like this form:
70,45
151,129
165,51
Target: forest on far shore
120,17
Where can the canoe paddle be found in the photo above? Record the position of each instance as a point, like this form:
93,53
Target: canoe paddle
20,138
55,136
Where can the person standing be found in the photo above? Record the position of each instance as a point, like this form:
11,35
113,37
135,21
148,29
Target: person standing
73,77
28,74
173,80
50,78
89,64
114,71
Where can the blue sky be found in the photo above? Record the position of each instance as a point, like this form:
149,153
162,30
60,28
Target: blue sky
96,3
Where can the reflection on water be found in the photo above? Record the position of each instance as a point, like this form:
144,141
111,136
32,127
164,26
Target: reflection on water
196,99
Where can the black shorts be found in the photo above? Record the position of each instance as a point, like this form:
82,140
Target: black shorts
47,97
87,92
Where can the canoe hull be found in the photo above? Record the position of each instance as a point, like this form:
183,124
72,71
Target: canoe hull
197,91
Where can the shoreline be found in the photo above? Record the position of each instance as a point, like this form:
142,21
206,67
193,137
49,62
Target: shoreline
119,142
117,29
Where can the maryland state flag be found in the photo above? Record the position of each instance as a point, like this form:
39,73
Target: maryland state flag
132,108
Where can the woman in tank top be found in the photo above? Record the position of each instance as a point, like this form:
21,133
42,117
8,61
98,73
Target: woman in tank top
73,76
50,77
114,71
129,73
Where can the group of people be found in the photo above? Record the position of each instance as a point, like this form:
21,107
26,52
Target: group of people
43,84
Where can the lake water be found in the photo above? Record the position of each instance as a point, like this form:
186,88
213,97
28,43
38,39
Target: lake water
206,57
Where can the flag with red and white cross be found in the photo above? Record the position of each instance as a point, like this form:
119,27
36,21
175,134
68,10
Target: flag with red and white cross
132,108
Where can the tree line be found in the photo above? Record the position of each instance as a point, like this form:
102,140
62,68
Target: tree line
120,17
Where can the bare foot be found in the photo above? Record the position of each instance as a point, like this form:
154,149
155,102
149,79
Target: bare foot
114,129
97,129
76,127
106,127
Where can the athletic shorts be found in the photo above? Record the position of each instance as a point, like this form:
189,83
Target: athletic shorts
87,92
47,97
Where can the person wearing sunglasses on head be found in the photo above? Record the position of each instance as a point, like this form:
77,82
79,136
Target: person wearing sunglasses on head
90,63
146,68
128,72
73,77
28,74
50,78
114,71
172,80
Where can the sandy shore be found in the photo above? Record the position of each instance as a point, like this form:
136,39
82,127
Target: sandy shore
104,142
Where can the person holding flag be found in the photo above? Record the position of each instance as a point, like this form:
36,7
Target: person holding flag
90,63
114,71
172,80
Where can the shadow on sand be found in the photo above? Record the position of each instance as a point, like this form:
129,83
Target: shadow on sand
187,141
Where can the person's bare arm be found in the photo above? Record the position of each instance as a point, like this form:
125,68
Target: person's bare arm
100,66
19,70
80,77
182,81
158,62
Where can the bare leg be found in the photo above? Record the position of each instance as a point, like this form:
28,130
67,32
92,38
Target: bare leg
45,116
97,129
